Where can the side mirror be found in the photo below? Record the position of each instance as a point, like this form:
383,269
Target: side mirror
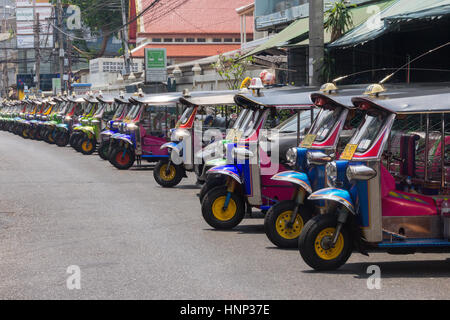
319,158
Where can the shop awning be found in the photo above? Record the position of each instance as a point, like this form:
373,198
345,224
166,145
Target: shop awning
383,21
297,32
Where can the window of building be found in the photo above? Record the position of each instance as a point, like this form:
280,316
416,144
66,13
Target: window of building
217,40
156,40
179,40
228,40
168,39
237,39
190,39
201,40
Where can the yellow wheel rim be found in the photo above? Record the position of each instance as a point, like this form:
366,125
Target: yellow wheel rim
289,233
50,138
87,146
224,215
167,176
331,253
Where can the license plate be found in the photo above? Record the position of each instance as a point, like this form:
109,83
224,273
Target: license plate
308,141
349,152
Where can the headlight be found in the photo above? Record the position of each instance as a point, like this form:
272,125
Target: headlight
131,126
331,173
360,172
84,121
179,134
291,156
115,125
68,118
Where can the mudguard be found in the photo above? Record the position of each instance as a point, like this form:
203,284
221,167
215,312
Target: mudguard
126,138
107,133
228,170
338,195
88,131
173,146
217,162
63,126
294,177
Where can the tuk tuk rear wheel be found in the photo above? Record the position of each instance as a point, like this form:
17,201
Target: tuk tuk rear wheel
312,240
122,159
275,223
87,146
213,209
25,133
103,150
167,177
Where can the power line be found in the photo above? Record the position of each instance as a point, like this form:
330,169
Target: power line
112,32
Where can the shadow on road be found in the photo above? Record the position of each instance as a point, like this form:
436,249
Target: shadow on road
243,229
396,269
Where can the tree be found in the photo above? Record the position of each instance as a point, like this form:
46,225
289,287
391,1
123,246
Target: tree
100,17
232,69
338,19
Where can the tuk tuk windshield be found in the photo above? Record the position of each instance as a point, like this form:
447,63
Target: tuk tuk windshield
240,119
100,110
89,108
368,131
325,122
133,113
186,115
119,110
290,124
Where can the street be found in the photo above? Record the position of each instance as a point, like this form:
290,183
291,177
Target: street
135,240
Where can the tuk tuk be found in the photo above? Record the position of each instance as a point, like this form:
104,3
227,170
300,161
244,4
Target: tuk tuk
91,127
371,206
333,127
124,106
145,130
54,119
245,179
205,120
74,109
78,135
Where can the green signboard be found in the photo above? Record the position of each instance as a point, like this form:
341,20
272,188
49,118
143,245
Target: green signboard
155,65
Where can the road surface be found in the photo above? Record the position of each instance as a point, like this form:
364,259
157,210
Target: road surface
132,239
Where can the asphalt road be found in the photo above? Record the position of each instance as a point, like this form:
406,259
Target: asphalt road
134,240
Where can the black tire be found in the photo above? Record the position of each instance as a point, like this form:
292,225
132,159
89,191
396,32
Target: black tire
307,243
276,218
210,184
125,161
74,137
171,180
25,133
209,203
62,139
103,150
88,146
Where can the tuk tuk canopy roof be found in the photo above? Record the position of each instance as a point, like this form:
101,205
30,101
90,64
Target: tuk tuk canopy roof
106,98
157,99
77,99
125,98
299,98
210,98
411,101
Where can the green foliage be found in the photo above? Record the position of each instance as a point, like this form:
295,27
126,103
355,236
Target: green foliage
232,69
327,67
338,19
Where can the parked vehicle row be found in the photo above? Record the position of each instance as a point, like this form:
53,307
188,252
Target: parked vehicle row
334,170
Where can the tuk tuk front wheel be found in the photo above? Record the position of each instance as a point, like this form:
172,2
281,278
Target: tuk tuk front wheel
210,184
87,146
222,209
103,150
122,159
314,243
277,223
167,175
62,139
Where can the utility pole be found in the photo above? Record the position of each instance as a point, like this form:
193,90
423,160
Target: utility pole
316,39
37,53
126,51
61,45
